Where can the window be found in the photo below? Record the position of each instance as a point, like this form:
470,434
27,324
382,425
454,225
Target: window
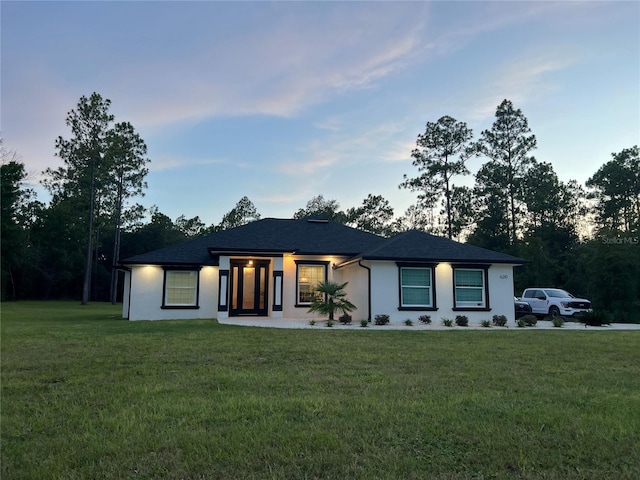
416,287
309,275
180,289
470,288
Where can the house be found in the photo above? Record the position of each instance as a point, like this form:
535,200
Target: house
269,268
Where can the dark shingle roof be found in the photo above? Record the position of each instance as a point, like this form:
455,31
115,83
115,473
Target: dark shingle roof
415,245
305,236
309,236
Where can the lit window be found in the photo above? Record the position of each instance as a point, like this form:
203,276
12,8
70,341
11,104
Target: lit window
309,275
181,288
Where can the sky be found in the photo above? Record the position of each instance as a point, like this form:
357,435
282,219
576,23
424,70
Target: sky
283,101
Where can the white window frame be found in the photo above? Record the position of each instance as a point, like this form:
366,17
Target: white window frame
470,304
430,268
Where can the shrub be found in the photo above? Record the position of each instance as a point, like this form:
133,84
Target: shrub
462,320
594,318
329,323
331,298
447,322
529,320
499,320
558,322
381,319
425,319
408,322
312,322
345,319
521,323
485,323
364,323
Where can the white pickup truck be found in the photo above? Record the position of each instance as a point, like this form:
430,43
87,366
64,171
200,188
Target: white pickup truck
554,302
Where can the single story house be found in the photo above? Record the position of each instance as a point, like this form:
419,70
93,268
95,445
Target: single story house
269,268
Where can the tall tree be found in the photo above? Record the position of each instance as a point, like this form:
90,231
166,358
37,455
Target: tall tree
416,217
190,227
13,241
103,167
490,205
507,145
319,207
126,158
160,232
374,216
462,214
84,169
244,212
549,201
616,188
442,152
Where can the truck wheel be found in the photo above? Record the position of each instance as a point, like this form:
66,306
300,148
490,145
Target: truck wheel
554,312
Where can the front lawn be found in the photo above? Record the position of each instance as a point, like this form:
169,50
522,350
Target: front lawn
86,394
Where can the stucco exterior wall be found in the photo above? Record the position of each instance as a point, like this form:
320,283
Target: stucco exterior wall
357,289
145,287
146,290
289,282
385,294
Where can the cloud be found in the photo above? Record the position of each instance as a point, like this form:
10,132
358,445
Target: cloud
520,81
280,67
166,162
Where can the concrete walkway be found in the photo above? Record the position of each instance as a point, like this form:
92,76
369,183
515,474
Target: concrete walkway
436,325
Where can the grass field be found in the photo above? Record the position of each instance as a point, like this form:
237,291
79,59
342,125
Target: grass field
86,395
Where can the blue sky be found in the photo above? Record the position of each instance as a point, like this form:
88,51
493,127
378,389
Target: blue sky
282,101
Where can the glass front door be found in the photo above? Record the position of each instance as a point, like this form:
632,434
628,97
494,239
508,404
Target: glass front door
249,288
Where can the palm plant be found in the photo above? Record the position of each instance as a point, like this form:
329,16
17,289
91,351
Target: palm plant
330,298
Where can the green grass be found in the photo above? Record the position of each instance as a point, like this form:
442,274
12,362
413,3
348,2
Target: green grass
88,395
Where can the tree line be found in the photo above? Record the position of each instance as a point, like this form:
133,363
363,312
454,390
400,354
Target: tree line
584,238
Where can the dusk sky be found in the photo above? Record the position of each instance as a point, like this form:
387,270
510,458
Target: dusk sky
283,101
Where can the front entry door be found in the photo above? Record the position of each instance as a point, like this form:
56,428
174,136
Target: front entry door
249,288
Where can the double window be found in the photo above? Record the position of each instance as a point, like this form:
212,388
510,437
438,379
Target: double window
417,287
180,289
309,274
470,288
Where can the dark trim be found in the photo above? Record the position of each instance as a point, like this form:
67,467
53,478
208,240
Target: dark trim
194,268
179,307
164,306
417,309
324,263
278,276
471,266
471,309
223,295
172,264
129,293
243,252
432,267
417,264
312,262
478,266
259,266
368,289
515,261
